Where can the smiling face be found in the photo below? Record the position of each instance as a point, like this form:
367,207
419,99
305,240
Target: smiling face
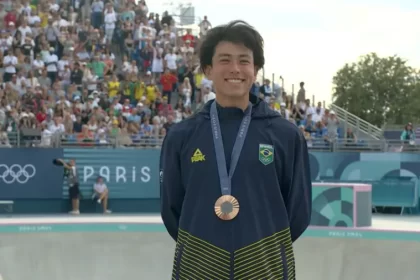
232,70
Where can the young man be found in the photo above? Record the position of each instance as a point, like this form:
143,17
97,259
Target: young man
235,179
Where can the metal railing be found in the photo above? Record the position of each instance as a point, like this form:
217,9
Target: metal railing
356,123
366,145
121,141
16,139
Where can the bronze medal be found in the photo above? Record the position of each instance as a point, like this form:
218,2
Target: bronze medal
226,207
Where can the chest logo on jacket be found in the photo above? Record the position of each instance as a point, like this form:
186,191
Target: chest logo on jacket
198,156
266,154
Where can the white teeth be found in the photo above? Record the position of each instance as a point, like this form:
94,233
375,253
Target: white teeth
236,81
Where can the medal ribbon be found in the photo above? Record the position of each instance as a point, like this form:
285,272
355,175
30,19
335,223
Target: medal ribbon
225,179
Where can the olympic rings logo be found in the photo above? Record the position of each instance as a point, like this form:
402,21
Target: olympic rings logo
17,173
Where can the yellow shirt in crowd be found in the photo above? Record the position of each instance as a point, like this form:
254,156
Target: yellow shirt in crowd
113,88
198,79
151,93
140,90
44,19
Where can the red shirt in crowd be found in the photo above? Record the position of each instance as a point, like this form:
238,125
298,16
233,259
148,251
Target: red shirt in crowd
126,109
165,108
10,17
168,81
41,116
189,37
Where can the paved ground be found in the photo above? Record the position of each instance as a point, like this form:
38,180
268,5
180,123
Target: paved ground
110,256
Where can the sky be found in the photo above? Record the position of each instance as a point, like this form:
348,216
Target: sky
310,40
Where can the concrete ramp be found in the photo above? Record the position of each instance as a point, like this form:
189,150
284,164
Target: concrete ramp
131,249
86,256
356,259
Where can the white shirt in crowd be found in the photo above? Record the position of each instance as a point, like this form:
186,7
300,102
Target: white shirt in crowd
23,32
99,187
52,67
33,19
170,61
207,97
317,115
54,128
46,138
38,63
10,59
110,20
206,83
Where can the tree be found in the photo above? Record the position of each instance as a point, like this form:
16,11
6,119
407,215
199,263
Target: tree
379,90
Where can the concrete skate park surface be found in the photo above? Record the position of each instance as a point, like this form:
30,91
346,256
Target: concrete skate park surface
138,247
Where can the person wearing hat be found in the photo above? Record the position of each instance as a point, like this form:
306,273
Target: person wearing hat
52,69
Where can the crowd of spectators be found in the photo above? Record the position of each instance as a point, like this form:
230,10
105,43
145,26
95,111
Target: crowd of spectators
320,126
110,73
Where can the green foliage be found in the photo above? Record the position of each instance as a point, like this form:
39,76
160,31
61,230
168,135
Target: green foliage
379,90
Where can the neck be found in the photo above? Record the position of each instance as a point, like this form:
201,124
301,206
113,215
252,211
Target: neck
239,102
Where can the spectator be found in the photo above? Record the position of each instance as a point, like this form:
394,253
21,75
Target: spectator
61,79
205,26
101,193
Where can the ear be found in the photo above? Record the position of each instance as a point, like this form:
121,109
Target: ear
208,72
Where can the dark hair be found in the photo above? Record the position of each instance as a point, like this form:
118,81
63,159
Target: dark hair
237,32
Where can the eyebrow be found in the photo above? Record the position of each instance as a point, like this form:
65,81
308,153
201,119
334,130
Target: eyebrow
229,55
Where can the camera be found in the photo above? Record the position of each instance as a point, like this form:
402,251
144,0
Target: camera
58,162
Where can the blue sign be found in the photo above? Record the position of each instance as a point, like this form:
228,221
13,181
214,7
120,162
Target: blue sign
128,173
133,173
29,173
356,166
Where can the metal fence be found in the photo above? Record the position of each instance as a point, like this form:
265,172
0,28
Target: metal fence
17,139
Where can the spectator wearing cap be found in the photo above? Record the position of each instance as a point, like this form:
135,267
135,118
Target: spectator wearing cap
51,63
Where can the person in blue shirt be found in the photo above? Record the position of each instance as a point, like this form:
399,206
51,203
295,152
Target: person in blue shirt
309,124
235,179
